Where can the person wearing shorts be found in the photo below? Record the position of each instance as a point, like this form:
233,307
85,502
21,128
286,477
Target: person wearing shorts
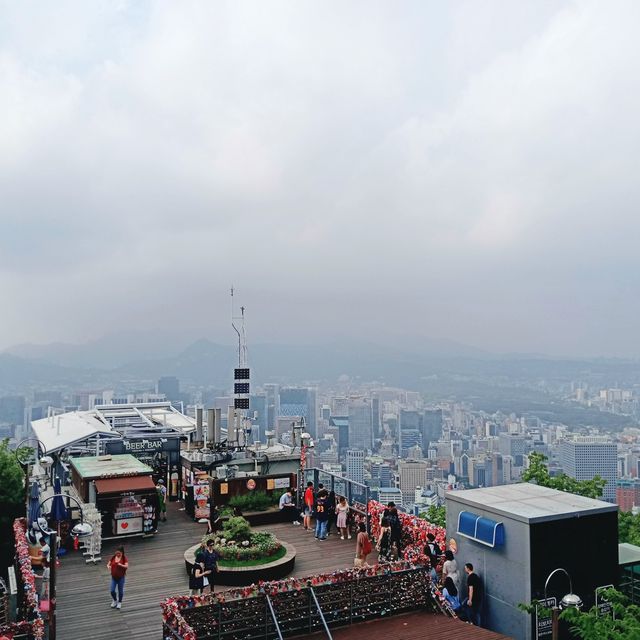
308,506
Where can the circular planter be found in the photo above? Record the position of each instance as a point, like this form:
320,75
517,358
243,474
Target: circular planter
243,576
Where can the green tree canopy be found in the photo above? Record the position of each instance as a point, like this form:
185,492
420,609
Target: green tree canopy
538,472
11,499
590,625
435,515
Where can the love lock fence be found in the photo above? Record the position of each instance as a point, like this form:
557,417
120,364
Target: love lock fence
273,612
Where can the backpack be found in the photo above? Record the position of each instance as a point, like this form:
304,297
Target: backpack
434,552
394,523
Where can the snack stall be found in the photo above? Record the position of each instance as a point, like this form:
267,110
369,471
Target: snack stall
123,490
161,453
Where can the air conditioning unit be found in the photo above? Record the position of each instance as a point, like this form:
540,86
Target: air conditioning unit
222,472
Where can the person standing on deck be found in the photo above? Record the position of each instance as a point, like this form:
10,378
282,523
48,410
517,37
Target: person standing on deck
118,566
343,513
363,546
210,562
321,513
331,509
162,500
308,506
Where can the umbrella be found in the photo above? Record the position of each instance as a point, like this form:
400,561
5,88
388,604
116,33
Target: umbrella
58,510
34,502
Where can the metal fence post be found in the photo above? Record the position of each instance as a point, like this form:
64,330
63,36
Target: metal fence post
309,603
366,509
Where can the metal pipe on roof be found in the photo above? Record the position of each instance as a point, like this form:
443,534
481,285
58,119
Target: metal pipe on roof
218,426
211,425
199,415
231,424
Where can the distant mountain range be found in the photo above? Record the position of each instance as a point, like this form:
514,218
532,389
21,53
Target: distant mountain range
137,360
520,384
145,356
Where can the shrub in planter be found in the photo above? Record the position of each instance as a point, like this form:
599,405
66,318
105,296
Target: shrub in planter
257,546
236,529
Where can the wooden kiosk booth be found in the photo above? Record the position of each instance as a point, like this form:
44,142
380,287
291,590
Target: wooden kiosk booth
123,490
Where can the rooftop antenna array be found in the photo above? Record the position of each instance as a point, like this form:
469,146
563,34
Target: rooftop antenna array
241,427
241,332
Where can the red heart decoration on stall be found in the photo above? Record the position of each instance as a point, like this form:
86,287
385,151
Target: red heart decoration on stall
124,525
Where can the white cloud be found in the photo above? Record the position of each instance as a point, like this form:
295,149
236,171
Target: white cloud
321,155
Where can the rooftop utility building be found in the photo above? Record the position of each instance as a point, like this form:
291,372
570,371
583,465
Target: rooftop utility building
516,535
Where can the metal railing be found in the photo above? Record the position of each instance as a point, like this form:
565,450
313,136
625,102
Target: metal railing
356,493
273,617
309,609
324,622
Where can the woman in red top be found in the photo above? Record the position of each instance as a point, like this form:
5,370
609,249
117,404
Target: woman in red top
309,499
118,566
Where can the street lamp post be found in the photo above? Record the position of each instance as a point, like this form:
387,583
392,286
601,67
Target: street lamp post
570,600
81,530
25,464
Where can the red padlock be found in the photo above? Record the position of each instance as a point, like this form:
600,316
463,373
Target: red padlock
76,543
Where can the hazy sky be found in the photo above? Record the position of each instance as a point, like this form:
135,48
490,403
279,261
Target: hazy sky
461,170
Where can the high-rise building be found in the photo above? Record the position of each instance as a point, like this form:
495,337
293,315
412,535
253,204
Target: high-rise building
300,401
431,427
514,446
258,412
390,494
170,387
273,404
413,473
360,431
12,410
355,465
340,406
409,438
342,425
376,415
410,430
628,494
584,457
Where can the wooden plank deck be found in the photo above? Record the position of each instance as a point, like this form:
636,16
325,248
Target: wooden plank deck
412,626
157,571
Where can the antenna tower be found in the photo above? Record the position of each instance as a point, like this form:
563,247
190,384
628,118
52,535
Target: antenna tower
241,377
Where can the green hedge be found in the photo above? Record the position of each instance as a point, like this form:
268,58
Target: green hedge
254,501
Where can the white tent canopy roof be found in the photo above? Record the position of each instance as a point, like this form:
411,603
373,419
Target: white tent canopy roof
61,431
114,420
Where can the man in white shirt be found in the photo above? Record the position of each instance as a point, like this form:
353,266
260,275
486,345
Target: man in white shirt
288,508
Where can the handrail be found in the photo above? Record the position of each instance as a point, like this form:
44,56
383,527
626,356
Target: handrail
324,622
273,615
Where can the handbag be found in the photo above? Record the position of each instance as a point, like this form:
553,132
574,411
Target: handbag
358,562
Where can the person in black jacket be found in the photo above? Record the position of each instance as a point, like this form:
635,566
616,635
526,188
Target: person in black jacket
434,553
331,508
198,578
395,525
321,513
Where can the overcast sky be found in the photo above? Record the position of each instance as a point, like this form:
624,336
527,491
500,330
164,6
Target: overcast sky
459,170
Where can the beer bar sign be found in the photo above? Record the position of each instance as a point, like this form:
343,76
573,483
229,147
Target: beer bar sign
544,620
144,444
